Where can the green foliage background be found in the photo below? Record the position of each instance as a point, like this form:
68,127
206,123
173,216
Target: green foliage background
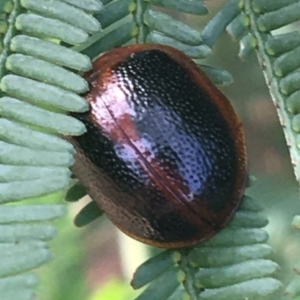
34,166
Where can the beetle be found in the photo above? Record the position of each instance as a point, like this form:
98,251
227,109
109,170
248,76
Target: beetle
164,153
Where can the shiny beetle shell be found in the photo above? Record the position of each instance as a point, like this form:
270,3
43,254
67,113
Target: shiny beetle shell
164,153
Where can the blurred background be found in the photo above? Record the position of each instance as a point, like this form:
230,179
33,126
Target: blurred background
97,262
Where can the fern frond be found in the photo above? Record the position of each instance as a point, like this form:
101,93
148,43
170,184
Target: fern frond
234,264
280,66
278,55
279,58
37,88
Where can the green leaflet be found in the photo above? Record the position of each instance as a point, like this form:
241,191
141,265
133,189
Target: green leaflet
75,192
25,294
240,272
247,219
88,214
216,26
30,213
293,103
42,94
14,133
114,12
63,12
238,27
287,62
168,283
18,155
51,52
12,264
44,119
6,6
91,6
180,293
9,173
282,43
177,30
247,44
263,6
18,232
222,256
12,283
191,51
255,288
49,73
46,27
154,267
290,83
296,222
3,26
192,6
217,75
110,39
19,190
279,18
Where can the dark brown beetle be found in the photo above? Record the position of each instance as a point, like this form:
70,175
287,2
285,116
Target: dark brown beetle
164,153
